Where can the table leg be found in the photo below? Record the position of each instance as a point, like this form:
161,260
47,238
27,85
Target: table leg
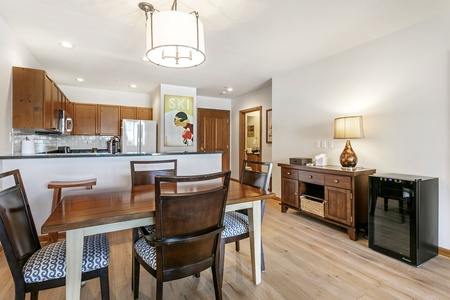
74,256
255,240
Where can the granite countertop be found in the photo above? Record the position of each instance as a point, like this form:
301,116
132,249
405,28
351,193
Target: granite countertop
89,153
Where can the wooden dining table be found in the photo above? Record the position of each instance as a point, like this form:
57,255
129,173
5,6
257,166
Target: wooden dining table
101,210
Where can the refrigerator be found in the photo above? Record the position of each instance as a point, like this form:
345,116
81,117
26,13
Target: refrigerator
138,136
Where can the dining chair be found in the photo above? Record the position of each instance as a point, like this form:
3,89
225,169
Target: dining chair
144,172
257,174
33,267
188,227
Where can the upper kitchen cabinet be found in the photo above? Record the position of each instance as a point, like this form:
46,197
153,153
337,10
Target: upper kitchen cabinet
29,99
128,112
84,119
144,113
108,119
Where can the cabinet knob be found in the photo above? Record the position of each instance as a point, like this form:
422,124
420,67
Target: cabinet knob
336,181
310,176
289,173
295,193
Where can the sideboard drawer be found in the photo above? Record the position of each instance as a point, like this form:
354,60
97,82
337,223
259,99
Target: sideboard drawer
289,173
311,177
344,182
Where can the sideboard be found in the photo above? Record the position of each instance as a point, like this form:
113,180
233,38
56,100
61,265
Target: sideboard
329,193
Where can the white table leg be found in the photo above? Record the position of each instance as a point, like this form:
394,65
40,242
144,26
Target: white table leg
255,240
74,256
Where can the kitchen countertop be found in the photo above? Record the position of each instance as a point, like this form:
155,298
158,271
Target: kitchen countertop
99,153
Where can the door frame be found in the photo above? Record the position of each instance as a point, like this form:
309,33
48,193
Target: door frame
242,124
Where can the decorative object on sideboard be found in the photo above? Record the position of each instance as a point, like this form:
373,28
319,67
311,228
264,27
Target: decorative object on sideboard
348,128
175,39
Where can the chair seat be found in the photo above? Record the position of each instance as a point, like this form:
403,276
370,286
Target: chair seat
49,262
150,228
235,223
146,252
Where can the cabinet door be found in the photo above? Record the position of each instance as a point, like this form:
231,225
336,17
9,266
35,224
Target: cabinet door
127,112
108,120
28,98
144,113
84,118
289,192
338,205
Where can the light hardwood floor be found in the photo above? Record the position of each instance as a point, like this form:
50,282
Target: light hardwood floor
305,259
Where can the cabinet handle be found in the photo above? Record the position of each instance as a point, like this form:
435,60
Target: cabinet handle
336,181
289,173
310,176
295,194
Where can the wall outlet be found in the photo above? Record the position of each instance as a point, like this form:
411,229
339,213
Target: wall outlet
316,144
323,144
330,144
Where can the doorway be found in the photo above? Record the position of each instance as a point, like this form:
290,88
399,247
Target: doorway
214,133
250,131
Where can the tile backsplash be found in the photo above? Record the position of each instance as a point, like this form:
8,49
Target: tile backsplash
50,142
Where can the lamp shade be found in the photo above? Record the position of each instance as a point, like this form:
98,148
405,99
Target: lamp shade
348,128
175,39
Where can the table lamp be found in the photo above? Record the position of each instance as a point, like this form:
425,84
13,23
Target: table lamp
348,128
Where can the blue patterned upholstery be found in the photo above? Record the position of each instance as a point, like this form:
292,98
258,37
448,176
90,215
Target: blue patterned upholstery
50,261
150,228
144,250
235,223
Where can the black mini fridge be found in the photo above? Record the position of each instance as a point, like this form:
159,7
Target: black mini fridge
403,216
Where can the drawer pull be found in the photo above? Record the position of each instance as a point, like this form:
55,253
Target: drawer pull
336,181
289,173
310,176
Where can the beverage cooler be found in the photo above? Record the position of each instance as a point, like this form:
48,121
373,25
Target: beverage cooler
403,216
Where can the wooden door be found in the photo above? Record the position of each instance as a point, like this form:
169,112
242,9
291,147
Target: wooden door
338,205
144,113
214,133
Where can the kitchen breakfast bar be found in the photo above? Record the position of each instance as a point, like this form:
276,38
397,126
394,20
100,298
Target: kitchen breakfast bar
111,170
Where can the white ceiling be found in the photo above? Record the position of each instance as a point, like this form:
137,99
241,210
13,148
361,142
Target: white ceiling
247,41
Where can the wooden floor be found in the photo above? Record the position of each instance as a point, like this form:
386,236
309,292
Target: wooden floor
305,259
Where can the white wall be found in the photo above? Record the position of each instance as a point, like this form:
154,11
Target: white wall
12,53
261,97
399,84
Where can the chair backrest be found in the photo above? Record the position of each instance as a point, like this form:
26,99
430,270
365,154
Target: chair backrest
17,230
144,172
189,224
256,173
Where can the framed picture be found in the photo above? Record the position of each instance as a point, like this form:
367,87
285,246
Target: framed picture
178,121
250,130
269,126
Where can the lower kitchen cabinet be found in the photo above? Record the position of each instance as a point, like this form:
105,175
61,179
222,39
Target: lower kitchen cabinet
328,193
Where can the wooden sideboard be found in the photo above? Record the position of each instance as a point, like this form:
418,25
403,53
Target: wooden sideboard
329,193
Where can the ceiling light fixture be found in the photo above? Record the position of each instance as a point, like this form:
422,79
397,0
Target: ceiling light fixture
80,79
66,45
174,39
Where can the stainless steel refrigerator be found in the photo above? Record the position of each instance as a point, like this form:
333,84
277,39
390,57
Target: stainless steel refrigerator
138,136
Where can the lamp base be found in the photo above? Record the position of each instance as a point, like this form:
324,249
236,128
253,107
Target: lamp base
348,157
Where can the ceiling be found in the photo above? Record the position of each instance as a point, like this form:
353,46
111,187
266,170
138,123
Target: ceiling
247,41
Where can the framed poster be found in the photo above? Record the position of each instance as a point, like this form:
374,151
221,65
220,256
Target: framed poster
269,126
250,130
178,121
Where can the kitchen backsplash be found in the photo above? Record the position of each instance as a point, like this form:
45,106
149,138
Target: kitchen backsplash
45,143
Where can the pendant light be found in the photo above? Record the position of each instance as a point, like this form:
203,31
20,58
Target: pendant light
175,39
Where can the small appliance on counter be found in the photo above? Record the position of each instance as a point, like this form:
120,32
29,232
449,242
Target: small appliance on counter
113,145
28,147
300,160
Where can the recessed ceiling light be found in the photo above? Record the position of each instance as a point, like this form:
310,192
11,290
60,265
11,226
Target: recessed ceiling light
67,45
133,86
230,89
80,79
223,93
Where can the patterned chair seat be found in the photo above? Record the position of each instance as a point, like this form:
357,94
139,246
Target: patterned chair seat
50,261
235,223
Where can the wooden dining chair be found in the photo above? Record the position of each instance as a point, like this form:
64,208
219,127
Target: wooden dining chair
188,227
33,267
144,172
236,222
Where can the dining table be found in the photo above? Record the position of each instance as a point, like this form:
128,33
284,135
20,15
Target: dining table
107,209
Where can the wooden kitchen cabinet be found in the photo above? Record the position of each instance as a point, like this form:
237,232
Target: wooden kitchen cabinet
329,193
84,119
128,112
28,98
144,113
108,119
